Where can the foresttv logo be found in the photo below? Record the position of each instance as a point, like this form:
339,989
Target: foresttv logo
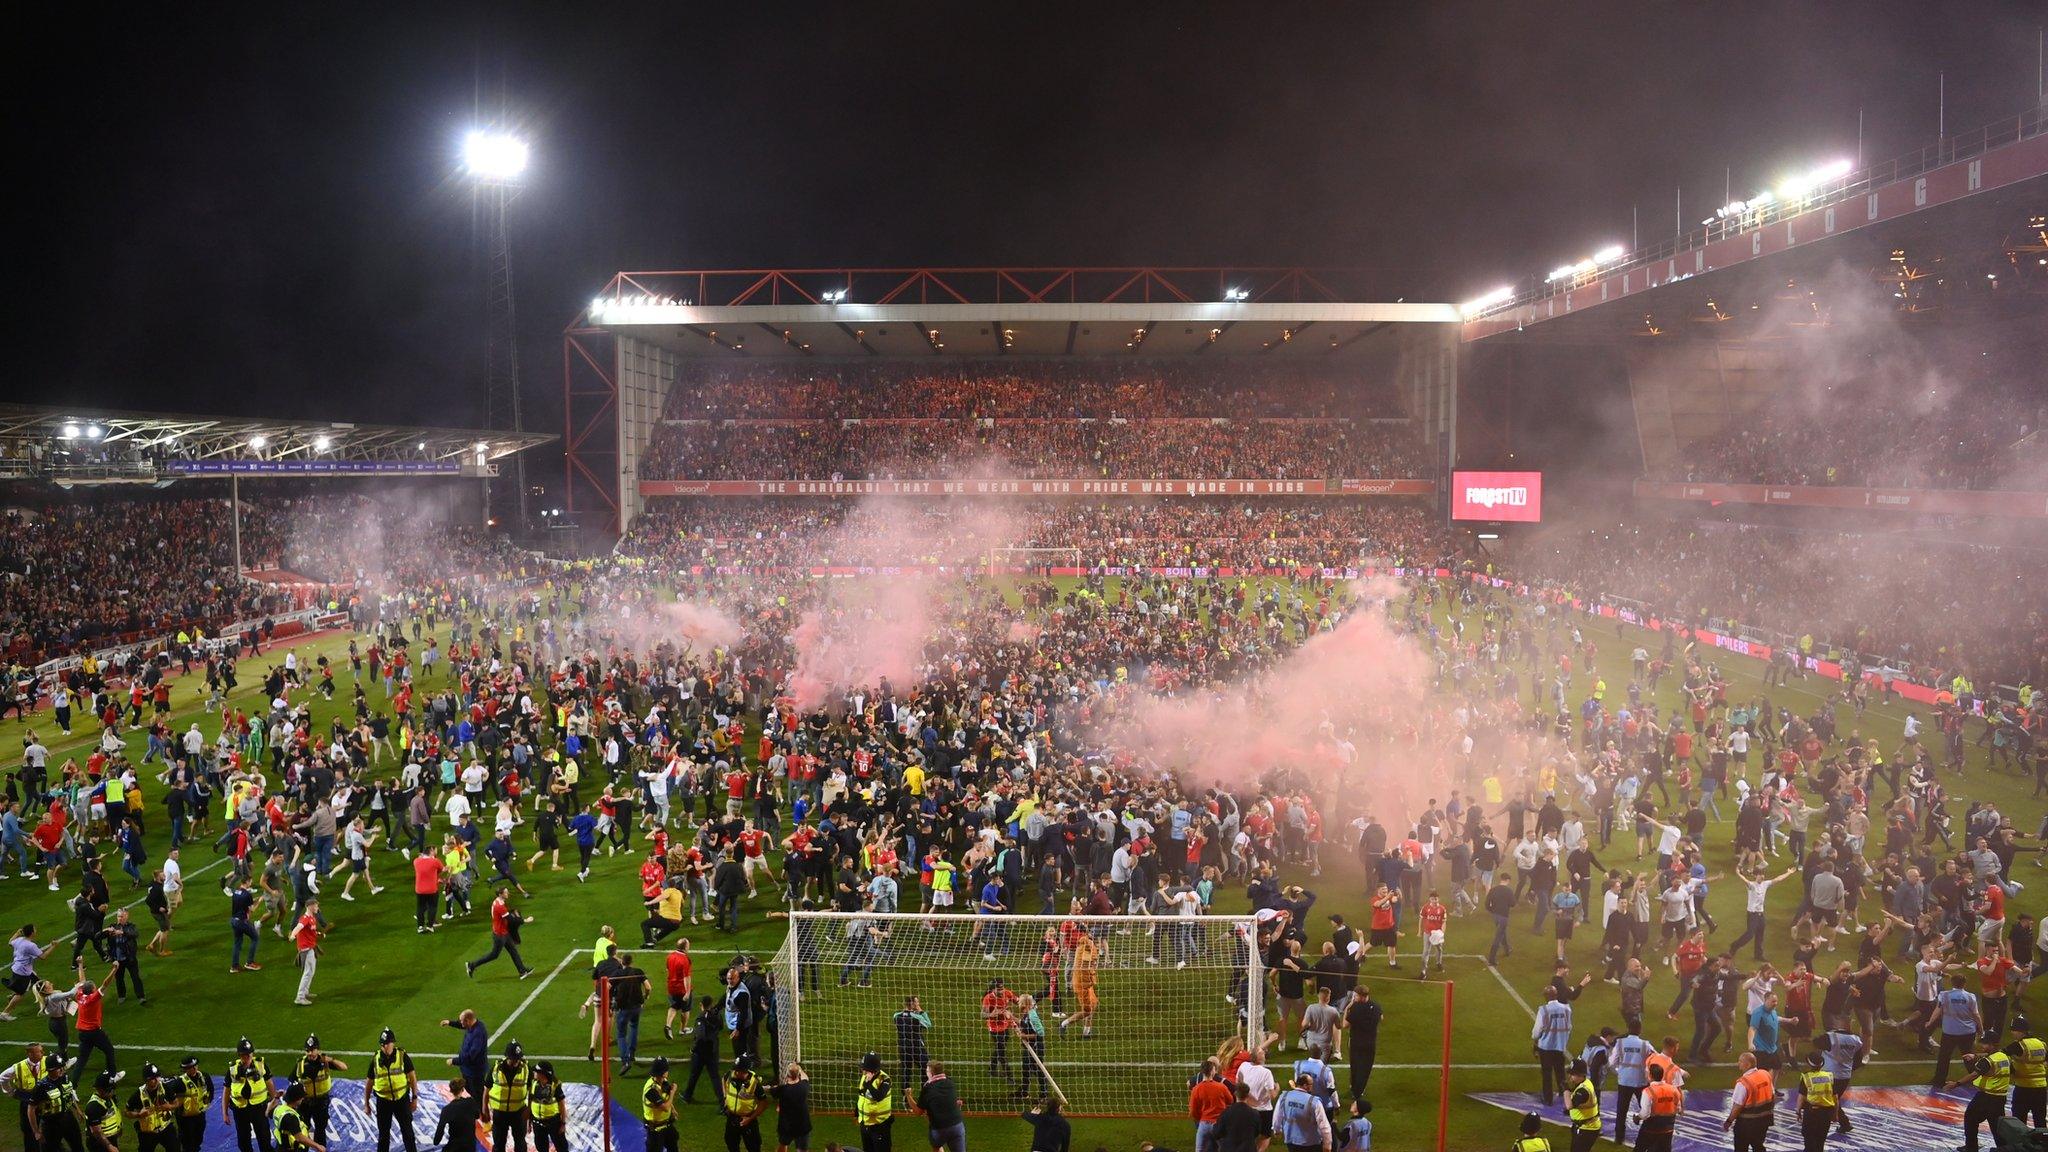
1515,497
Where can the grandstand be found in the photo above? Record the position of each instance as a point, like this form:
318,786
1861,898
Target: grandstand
1262,381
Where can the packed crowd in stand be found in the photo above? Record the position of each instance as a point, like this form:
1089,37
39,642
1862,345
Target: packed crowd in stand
1031,420
69,576
1024,389
1937,607
1262,533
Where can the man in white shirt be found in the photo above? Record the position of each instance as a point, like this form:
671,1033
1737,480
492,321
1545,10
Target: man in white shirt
1260,1088
1759,889
456,807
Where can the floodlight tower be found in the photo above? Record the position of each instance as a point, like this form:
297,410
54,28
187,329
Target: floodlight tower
495,163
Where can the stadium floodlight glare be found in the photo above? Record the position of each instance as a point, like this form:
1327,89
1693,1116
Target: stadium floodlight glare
257,442
94,431
1237,295
1609,254
321,443
834,296
1798,187
494,157
1475,306
69,432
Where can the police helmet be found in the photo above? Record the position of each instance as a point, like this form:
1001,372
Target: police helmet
243,1047
387,1036
312,1042
659,1067
871,1063
515,1051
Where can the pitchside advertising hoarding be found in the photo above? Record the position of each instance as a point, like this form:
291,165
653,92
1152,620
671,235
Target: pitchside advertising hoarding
1512,496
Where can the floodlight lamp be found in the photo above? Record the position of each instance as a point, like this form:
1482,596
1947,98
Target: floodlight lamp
257,442
70,432
320,443
494,156
1609,254
94,432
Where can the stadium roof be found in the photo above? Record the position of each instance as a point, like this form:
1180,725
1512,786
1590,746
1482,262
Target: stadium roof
254,446
995,312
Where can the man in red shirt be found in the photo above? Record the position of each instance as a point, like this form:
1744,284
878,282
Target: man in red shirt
735,792
92,1032
426,891
996,1014
1994,969
504,936
678,988
1433,916
1385,928
306,934
753,845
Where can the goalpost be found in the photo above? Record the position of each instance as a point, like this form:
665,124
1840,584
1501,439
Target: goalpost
1167,991
1033,561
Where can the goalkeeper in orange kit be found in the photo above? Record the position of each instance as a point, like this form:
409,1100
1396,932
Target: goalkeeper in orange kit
1086,955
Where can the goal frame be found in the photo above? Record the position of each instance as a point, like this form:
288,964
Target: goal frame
788,966
997,556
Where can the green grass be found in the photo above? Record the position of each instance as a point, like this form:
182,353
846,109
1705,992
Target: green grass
376,971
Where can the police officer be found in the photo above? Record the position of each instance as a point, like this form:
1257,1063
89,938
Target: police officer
55,1119
743,1098
1532,1139
288,1129
547,1108
315,1073
1816,1102
1582,1107
392,1090
195,1098
19,1080
1991,1072
246,1102
505,1100
103,1115
658,1107
2029,1073
154,1108
874,1102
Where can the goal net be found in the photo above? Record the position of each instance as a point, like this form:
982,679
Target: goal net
994,993
1032,561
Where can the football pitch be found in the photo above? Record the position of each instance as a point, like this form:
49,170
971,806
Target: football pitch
376,971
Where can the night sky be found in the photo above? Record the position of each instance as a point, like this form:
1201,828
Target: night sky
261,213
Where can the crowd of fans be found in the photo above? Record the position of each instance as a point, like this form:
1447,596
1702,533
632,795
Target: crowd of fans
1024,389
1029,419
1034,449
84,574
71,574
1892,598
1276,532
